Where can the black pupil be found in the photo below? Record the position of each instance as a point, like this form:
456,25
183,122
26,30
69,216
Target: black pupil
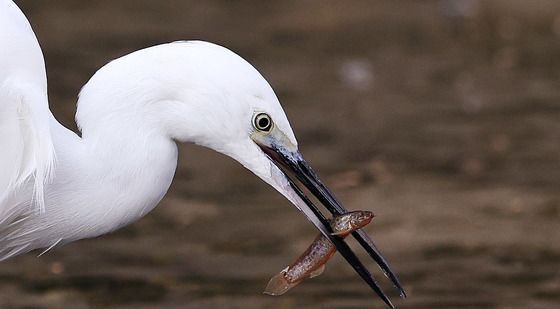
263,123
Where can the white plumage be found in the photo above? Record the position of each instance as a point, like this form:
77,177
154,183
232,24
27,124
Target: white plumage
130,114
25,141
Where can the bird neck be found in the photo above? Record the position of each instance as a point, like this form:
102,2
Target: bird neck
139,162
127,171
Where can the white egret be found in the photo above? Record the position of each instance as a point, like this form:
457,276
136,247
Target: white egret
57,187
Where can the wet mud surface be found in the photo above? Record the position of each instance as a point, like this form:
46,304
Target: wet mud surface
441,117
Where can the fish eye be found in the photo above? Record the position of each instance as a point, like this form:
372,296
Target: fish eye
262,122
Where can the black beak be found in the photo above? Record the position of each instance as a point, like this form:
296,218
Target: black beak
294,163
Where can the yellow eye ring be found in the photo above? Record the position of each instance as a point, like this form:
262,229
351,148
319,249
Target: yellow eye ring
262,122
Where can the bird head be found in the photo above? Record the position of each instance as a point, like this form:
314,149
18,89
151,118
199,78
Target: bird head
205,94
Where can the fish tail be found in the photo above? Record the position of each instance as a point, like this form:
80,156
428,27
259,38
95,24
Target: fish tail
278,285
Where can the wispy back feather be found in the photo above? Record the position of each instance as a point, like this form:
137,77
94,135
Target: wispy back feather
27,148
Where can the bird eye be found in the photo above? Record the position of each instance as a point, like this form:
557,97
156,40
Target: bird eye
262,122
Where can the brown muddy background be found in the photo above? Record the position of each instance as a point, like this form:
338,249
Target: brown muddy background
443,117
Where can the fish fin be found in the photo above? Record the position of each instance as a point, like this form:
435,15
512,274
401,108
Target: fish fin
317,272
278,285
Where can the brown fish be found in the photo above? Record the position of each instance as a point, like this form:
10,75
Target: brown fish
312,262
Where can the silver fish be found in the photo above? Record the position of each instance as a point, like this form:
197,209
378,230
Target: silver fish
312,262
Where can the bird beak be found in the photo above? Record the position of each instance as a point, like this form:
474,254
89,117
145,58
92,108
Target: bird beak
290,161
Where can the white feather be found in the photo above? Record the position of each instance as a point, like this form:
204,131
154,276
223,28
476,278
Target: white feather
26,148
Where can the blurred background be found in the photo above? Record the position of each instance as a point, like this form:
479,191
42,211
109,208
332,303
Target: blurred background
441,116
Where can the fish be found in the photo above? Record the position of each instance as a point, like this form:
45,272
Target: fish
312,262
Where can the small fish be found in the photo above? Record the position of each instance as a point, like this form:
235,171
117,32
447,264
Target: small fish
312,262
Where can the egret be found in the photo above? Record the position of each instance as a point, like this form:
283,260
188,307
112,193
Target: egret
57,187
